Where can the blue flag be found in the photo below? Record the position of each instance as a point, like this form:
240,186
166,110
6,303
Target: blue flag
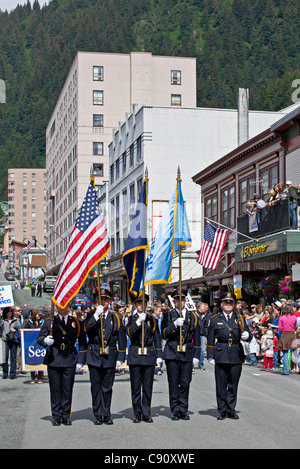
136,246
172,232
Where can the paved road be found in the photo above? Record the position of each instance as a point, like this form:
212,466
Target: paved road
267,406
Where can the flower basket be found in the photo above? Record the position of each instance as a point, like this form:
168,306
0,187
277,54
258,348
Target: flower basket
270,287
286,287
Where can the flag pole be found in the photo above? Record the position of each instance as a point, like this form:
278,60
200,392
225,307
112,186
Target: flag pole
103,349
181,347
143,350
230,229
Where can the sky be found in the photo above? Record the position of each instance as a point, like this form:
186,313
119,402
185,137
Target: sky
11,4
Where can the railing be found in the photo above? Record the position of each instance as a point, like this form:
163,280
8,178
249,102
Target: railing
270,219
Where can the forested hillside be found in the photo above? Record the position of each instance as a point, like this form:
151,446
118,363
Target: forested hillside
238,43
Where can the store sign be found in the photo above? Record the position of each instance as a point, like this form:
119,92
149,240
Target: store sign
256,250
251,250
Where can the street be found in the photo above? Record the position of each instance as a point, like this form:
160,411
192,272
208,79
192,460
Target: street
267,406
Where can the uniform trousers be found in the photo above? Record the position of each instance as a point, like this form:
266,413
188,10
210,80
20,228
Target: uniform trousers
227,379
141,379
179,379
61,381
102,380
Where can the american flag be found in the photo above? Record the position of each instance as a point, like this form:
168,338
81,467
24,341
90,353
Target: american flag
89,243
212,246
29,246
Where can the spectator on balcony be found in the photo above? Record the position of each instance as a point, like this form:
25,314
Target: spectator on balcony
280,194
275,189
250,206
271,196
291,194
260,203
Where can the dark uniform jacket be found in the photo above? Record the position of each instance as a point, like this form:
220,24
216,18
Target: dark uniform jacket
190,333
223,339
63,352
114,339
152,341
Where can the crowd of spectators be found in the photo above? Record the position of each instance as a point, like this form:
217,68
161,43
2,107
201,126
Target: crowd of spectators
278,192
274,346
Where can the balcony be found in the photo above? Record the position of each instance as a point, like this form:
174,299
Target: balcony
271,219
273,236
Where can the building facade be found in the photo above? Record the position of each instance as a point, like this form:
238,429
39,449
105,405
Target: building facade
98,92
26,207
272,248
162,139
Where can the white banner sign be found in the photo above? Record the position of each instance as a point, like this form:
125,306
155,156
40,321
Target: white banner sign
6,296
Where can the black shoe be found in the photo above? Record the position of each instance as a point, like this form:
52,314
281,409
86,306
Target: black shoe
175,416
4,377
56,423
12,377
184,417
107,421
233,415
66,422
148,419
221,415
136,420
99,421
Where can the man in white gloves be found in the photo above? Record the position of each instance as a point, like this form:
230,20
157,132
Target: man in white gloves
225,352
142,361
62,359
103,362
180,363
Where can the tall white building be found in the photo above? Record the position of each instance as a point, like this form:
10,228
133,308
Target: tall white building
98,92
161,139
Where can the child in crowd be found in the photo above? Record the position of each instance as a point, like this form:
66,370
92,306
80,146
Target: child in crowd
267,350
261,343
253,349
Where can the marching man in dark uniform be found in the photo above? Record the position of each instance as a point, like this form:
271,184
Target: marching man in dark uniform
101,361
142,359
62,359
180,363
225,351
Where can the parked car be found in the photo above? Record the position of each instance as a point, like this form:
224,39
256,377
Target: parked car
9,277
49,283
79,299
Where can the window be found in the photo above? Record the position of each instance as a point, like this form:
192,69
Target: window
247,188
227,207
124,162
97,148
111,174
125,201
268,178
132,194
97,73
131,155
175,77
98,170
139,185
139,149
117,169
97,120
176,100
117,207
211,208
98,97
